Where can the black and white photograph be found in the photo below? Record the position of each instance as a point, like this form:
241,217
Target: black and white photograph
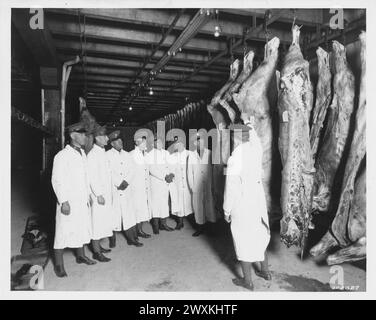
184,149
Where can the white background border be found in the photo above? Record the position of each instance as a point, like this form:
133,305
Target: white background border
5,116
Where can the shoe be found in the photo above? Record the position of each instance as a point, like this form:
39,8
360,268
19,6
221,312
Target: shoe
135,243
241,283
165,227
112,243
179,225
264,274
103,250
197,233
144,235
60,271
100,257
155,230
86,260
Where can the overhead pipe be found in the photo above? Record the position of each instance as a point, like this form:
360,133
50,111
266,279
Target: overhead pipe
67,68
194,25
148,59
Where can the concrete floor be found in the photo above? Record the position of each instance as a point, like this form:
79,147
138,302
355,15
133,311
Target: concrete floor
176,261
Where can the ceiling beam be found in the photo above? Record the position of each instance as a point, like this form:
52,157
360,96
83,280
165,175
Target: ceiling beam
155,18
127,52
126,36
308,17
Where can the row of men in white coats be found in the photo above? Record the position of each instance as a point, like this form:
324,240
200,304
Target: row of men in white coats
110,191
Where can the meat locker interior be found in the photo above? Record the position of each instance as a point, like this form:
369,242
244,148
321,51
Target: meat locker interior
272,99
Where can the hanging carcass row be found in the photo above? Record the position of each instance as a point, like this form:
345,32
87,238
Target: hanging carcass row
348,229
337,131
253,103
294,105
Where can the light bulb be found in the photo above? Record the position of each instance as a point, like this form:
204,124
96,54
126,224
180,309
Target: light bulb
217,31
130,108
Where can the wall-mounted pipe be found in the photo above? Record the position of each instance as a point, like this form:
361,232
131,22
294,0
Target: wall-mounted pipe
67,68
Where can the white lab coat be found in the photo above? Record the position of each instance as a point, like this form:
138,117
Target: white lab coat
181,196
200,182
100,178
244,200
122,168
159,188
141,186
70,183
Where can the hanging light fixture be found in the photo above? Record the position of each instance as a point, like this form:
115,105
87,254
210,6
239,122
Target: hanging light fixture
151,92
217,28
130,108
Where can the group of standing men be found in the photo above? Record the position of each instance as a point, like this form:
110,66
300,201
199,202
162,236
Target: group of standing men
105,192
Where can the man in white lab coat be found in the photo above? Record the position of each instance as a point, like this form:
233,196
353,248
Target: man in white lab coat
245,204
71,185
101,193
181,196
160,178
200,182
141,184
124,212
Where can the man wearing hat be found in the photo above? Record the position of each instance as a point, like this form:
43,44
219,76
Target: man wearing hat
245,204
123,211
141,183
181,198
71,185
200,182
101,192
160,178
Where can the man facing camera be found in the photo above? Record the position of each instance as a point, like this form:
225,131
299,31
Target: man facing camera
101,193
71,185
124,212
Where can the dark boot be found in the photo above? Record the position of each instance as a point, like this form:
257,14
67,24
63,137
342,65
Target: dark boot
264,272
155,225
130,235
100,257
81,258
199,231
245,282
179,224
112,243
140,232
59,263
97,254
104,250
163,225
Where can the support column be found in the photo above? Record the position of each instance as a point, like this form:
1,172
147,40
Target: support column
50,94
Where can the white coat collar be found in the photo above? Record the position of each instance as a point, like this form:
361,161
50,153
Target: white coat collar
69,148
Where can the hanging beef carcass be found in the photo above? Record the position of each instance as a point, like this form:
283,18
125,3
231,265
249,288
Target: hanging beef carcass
234,87
348,229
294,105
337,130
87,118
221,147
323,98
252,101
